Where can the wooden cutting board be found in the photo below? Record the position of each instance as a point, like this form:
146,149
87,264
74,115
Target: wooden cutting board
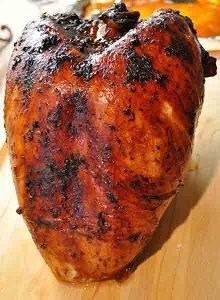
183,259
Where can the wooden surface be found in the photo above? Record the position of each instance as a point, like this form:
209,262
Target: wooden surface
183,260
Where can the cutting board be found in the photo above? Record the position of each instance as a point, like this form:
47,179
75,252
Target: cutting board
182,260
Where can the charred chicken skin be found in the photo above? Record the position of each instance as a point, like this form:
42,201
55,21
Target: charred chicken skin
100,117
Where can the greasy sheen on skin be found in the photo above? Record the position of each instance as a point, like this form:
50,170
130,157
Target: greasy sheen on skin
100,117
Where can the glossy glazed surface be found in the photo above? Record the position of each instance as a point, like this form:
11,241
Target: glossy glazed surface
100,120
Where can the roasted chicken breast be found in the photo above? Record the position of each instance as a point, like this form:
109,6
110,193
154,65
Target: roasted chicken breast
100,117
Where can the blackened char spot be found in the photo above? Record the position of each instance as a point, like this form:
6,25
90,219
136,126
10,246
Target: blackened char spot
139,68
67,21
47,42
30,133
55,212
112,127
71,128
161,80
84,45
52,178
102,222
80,102
29,184
19,210
73,227
135,184
84,69
133,237
119,17
111,197
162,24
31,59
28,63
106,153
79,32
180,48
135,40
31,197
28,78
54,116
16,61
107,180
57,60
43,222
128,112
40,90
73,163
209,63
45,182
78,194
43,246
42,27
44,140
82,33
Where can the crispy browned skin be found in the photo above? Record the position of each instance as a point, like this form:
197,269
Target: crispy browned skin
100,132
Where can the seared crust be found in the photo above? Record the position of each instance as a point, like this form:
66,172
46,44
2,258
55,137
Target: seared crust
100,120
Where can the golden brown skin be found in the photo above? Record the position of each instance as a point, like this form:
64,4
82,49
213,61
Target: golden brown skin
100,132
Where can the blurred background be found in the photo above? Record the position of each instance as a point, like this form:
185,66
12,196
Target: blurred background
204,13
15,14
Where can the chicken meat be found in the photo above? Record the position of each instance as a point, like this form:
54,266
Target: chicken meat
100,117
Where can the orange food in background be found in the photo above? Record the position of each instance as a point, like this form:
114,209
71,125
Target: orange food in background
205,14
